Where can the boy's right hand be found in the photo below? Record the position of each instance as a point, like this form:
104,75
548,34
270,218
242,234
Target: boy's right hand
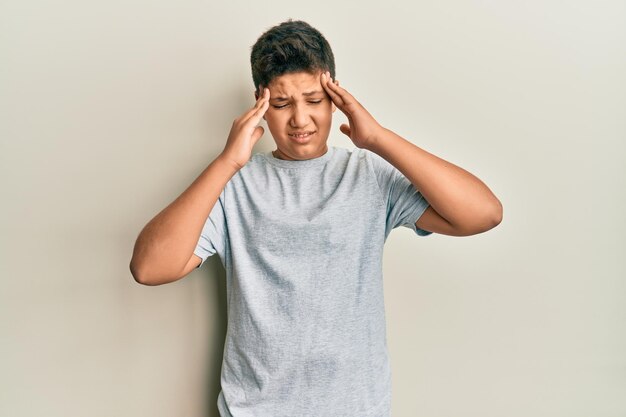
245,133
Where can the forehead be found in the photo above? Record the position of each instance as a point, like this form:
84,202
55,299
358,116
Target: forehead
295,83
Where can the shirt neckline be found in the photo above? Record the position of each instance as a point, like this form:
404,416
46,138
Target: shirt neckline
306,163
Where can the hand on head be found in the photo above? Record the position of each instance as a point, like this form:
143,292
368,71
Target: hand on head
246,132
362,129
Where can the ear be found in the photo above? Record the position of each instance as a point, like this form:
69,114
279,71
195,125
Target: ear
258,91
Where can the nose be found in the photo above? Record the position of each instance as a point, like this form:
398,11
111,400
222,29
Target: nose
299,117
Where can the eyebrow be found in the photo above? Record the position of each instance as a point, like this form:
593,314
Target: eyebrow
307,94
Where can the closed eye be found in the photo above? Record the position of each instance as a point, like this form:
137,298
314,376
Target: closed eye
285,105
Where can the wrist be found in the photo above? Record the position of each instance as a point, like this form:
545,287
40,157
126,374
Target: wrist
227,163
377,139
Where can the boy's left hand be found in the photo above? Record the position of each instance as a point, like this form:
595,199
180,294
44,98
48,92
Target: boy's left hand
363,129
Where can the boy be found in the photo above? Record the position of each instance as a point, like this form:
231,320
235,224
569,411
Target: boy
300,231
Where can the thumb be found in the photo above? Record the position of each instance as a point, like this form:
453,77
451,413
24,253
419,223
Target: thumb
256,135
345,129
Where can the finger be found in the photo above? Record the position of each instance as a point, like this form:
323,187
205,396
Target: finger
260,91
265,93
261,103
257,113
345,129
256,135
339,95
333,95
333,85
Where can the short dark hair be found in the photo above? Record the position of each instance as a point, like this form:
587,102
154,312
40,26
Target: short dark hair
291,46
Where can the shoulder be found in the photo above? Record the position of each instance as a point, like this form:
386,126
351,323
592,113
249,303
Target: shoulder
352,156
256,162
368,157
256,159
374,162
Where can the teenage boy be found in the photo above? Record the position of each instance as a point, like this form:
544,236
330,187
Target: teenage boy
300,232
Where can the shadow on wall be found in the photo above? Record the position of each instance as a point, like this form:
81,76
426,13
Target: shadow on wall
214,274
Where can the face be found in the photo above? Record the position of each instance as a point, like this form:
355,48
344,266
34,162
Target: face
299,116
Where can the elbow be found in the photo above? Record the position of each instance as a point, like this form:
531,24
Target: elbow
493,216
485,220
140,276
149,277
497,213
137,274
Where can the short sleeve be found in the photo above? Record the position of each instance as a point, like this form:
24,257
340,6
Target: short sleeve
213,235
405,204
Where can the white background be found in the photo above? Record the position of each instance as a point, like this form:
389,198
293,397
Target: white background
110,109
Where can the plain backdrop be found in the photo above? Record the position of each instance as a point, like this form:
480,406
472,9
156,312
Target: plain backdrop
110,109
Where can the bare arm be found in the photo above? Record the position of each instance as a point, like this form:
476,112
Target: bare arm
460,203
165,245
164,249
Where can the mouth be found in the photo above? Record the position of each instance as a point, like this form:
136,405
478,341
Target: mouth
300,135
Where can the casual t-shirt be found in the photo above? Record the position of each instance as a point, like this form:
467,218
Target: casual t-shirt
302,246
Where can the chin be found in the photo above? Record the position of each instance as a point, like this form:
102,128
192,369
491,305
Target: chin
304,151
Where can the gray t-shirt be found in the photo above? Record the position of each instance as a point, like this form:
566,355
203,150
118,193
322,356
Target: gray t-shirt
302,246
